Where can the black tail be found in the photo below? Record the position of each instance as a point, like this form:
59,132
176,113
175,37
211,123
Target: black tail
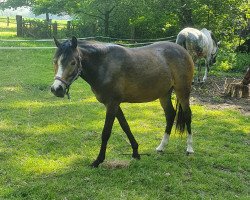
180,119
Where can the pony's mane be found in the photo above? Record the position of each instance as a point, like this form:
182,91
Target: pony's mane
95,46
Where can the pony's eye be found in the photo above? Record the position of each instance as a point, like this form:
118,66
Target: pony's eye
73,63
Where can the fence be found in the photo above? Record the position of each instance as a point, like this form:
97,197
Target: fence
139,42
37,28
44,29
7,21
32,27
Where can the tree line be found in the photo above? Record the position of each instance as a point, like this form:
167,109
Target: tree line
228,19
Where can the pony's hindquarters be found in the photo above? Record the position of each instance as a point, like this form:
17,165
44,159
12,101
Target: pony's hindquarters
182,69
182,90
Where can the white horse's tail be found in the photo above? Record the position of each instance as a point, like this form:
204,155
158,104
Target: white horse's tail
181,40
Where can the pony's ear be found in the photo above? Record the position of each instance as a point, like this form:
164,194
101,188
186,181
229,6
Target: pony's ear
57,43
74,42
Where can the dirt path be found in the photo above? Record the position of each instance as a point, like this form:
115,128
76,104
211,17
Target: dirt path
211,95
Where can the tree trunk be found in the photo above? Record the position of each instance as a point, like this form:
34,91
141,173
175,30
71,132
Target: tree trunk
47,16
238,89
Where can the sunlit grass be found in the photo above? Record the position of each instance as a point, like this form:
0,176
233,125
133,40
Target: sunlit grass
7,31
47,144
42,165
9,34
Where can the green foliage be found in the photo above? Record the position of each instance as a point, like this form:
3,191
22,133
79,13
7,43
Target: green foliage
14,3
227,60
147,18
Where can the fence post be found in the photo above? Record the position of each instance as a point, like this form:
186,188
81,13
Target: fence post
8,21
54,25
19,22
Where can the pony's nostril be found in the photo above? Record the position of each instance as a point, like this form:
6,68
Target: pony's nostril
58,91
60,88
52,89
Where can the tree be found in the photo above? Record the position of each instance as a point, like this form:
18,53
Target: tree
38,6
14,3
147,18
99,10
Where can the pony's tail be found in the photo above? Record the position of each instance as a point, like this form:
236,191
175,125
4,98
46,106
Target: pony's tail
180,119
181,40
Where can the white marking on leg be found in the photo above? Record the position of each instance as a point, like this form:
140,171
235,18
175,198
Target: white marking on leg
206,69
190,144
205,75
164,142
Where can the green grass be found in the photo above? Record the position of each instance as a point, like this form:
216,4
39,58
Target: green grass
48,143
7,31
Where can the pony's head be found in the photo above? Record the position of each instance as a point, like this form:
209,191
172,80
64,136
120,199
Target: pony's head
67,66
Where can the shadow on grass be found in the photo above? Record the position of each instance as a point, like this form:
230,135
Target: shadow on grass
46,148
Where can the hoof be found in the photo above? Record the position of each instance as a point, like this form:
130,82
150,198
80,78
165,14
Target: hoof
136,156
95,164
201,82
159,149
188,153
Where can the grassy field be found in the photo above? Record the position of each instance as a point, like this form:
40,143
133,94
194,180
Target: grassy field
47,144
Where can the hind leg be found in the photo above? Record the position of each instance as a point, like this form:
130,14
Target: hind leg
170,112
188,116
185,117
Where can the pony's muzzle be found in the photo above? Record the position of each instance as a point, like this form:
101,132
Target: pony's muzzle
58,91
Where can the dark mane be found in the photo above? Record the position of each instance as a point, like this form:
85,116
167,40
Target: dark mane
95,46
91,46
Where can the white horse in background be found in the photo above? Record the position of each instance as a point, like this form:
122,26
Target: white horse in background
201,44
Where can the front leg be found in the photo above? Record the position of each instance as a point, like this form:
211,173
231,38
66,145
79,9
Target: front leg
109,120
125,127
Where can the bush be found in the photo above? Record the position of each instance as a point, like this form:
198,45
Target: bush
229,61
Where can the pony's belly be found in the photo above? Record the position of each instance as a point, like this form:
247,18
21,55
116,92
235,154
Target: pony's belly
139,99
145,91
144,95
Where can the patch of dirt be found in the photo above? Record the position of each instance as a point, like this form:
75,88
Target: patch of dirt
116,164
211,94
